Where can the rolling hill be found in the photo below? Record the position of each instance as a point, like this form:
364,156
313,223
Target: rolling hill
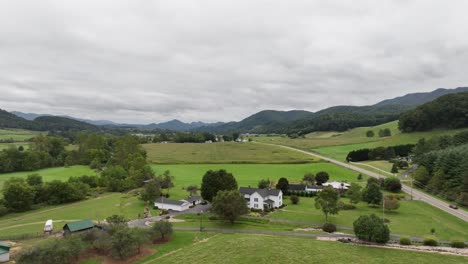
336,118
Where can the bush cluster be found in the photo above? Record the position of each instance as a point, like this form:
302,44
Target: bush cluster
405,241
430,242
329,228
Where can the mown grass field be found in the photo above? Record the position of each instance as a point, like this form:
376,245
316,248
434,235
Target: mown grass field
96,208
250,248
50,174
251,174
338,144
18,134
221,153
413,218
14,145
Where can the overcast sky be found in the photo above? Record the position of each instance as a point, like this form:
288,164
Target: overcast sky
152,61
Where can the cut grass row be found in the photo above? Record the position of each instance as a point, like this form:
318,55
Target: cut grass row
221,153
250,248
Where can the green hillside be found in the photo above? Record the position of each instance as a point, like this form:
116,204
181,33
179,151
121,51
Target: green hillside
339,144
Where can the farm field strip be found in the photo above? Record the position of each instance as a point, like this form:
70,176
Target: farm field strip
221,153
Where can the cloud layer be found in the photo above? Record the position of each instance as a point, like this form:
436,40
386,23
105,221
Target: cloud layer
151,61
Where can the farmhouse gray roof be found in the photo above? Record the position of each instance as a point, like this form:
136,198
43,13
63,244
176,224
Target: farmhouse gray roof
262,192
296,187
167,201
192,199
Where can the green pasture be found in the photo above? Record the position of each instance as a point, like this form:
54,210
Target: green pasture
251,248
221,153
18,134
413,218
95,208
50,174
251,174
338,144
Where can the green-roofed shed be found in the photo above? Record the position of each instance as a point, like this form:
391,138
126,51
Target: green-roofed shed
4,252
78,226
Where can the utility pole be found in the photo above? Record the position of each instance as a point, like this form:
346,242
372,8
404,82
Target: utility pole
383,208
201,220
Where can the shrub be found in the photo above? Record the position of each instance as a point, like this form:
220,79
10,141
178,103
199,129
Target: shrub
458,244
430,242
3,210
294,199
213,218
329,228
371,228
344,206
405,241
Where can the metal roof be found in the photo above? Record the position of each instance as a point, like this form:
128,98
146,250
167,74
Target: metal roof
167,201
262,192
79,225
4,248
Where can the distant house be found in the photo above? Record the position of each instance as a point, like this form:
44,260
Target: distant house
304,188
337,185
77,226
4,252
174,205
193,200
262,198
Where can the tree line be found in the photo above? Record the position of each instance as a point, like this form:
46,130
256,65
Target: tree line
443,166
380,153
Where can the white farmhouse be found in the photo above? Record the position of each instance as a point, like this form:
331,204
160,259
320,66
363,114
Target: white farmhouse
262,198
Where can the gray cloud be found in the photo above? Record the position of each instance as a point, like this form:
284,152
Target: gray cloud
151,61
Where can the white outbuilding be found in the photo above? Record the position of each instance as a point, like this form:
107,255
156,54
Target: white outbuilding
4,252
174,205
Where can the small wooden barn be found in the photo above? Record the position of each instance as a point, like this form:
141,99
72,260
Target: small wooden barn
77,226
4,252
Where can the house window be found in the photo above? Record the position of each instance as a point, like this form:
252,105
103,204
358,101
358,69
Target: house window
255,199
255,205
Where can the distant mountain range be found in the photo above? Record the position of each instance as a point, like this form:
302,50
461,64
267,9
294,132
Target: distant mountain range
175,125
336,118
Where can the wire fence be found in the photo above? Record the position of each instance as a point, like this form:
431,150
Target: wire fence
28,236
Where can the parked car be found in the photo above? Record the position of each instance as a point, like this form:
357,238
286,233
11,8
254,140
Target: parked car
204,203
453,206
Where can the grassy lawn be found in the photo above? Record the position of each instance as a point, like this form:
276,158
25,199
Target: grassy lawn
59,173
250,248
14,145
222,152
413,218
97,209
18,134
251,174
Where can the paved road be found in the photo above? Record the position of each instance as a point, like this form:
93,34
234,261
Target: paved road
418,195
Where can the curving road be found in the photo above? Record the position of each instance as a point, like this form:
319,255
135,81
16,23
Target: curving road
418,195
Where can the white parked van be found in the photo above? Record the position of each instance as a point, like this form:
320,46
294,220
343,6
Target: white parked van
49,226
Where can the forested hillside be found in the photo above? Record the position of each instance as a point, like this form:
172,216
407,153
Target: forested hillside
443,166
337,118
449,111
54,124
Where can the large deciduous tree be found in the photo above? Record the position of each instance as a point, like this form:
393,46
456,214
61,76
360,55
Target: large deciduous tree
327,200
283,185
322,177
229,205
371,228
215,181
372,194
